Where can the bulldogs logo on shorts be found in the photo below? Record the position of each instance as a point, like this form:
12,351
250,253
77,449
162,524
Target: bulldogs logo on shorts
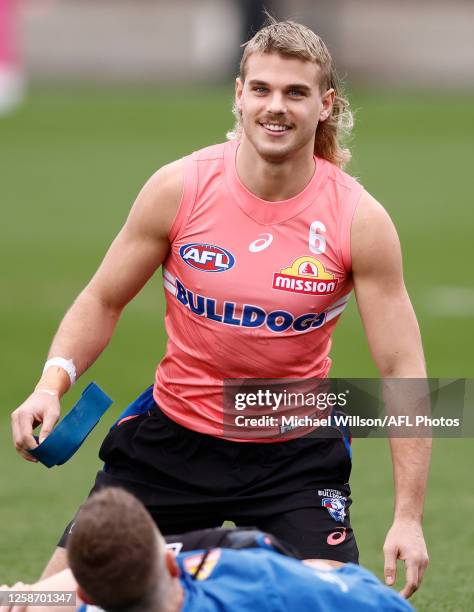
335,502
336,507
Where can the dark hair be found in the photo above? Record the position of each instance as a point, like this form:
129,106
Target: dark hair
113,551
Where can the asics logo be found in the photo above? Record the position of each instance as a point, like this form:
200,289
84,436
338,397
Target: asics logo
262,242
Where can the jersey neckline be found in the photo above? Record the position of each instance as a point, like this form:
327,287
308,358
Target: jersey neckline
264,211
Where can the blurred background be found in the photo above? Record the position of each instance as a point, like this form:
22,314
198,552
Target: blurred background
95,95
429,42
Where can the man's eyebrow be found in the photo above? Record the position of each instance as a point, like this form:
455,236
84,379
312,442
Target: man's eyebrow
301,86
257,82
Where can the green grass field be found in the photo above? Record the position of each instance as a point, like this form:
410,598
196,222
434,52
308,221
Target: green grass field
72,161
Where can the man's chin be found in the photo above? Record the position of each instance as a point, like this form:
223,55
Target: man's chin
274,152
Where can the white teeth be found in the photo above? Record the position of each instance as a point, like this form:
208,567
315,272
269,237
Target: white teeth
275,127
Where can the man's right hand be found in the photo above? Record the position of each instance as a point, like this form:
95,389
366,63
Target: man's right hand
136,253
41,407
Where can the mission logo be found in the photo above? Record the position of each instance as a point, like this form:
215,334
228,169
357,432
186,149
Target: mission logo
305,275
207,257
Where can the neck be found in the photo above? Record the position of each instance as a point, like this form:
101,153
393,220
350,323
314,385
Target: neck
274,180
174,597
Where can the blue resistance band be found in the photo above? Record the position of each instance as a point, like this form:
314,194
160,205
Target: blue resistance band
70,433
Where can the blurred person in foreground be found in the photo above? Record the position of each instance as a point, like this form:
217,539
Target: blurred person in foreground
121,563
261,240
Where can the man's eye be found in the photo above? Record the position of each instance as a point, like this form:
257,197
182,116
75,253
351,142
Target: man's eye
260,89
295,93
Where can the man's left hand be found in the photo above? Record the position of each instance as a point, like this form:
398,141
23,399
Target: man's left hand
13,607
405,541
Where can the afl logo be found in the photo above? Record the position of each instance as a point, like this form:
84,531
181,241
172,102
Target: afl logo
207,257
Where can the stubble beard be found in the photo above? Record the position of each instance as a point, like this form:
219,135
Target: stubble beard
273,153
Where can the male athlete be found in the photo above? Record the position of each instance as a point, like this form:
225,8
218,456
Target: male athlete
261,241
120,562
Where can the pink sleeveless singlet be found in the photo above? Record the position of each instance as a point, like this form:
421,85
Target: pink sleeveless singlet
253,288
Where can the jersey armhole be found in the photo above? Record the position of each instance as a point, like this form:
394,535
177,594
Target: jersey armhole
346,226
188,197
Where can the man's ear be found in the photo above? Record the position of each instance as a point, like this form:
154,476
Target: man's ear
328,102
239,87
173,567
83,596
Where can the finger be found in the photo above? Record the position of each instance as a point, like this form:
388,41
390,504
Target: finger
17,439
421,570
50,421
26,440
26,455
15,429
23,452
390,565
20,586
411,581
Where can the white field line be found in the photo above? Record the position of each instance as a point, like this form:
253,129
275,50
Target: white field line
449,301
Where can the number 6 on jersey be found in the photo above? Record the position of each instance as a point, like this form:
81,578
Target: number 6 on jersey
317,242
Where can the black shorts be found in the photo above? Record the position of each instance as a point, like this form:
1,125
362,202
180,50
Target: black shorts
297,490
236,538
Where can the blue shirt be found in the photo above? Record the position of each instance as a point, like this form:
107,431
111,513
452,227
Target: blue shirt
267,581
263,580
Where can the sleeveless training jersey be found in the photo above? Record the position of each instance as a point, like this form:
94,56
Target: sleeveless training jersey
253,288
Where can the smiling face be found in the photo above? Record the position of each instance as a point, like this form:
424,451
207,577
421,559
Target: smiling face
281,104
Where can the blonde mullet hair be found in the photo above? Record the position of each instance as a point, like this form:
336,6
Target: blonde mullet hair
292,39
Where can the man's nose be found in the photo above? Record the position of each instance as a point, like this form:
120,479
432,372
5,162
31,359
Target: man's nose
276,104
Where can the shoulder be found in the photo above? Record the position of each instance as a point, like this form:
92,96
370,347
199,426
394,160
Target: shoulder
374,239
167,182
339,177
370,212
211,153
157,203
160,201
344,189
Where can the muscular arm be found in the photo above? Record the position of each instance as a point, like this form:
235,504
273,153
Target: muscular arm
395,343
137,251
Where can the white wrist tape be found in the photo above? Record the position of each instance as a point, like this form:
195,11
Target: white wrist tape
66,364
48,391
